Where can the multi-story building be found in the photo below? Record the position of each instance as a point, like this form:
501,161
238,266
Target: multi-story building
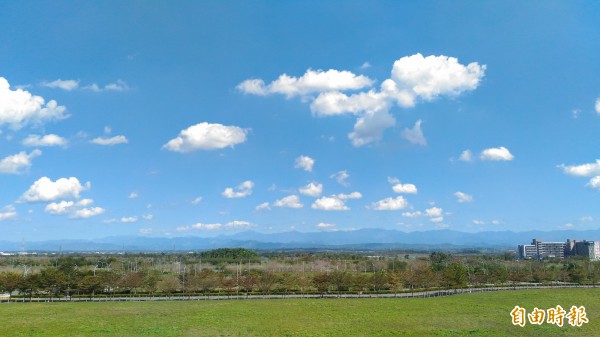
539,250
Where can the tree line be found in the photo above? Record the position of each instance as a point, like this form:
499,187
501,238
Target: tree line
247,271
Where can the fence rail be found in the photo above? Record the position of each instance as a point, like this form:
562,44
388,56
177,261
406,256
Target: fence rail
415,294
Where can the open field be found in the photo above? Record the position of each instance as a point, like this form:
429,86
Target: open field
482,314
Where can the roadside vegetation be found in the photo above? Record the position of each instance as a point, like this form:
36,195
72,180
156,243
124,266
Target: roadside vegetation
235,271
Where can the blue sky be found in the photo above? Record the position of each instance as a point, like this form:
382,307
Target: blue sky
205,118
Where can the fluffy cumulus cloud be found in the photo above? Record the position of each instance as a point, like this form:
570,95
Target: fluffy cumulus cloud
8,212
75,210
304,162
19,108
67,85
594,183
19,162
415,135
232,225
433,76
45,189
335,202
597,106
463,197
389,204
291,201
583,170
398,187
206,136
85,213
45,140
496,154
109,141
313,81
312,189
332,203
413,78
129,219
242,190
435,214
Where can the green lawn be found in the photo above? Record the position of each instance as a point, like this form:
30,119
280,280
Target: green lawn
481,314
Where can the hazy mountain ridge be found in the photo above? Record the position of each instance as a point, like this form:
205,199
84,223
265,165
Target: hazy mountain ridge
371,239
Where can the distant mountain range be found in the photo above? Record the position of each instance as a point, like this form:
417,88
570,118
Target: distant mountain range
363,239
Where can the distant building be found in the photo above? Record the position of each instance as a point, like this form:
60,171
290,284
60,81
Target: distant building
589,249
539,250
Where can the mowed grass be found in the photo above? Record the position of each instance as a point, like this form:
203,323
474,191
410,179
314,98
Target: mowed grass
481,314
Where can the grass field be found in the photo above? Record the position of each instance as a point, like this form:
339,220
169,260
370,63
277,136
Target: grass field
481,314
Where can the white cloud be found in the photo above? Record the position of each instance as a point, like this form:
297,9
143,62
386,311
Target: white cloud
478,222
341,177
197,201
412,214
291,201
325,226
242,190
433,76
205,136
365,65
67,85
413,78
236,224
74,209
109,141
263,206
370,126
332,203
119,85
402,188
19,108
334,103
45,189
19,162
353,195
7,212
463,197
133,195
437,219
148,217
496,153
312,81
594,183
584,170
46,140
415,135
466,155
85,213
146,231
129,219
59,207
434,212
390,204
312,189
597,106
304,162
